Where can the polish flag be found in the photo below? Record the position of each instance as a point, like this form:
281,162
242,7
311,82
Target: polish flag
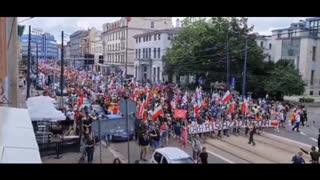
244,107
80,102
232,108
227,97
157,112
149,97
196,110
140,111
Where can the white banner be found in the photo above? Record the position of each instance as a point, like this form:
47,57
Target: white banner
195,128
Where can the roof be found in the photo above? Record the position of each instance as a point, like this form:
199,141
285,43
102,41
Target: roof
18,142
171,30
173,153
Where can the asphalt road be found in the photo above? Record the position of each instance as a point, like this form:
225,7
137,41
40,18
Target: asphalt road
308,134
122,148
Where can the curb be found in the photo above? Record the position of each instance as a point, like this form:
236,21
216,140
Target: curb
286,139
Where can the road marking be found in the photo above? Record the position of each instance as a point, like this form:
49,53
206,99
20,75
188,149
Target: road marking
313,139
286,139
217,155
302,133
223,158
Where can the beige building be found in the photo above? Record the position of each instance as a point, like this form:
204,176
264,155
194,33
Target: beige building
114,39
84,42
300,44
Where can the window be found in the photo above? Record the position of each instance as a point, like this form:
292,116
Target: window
270,45
152,24
144,39
155,37
154,52
261,44
158,36
143,56
157,157
136,40
149,52
136,53
154,74
164,160
312,75
311,93
279,34
139,39
313,53
150,38
139,53
158,78
159,53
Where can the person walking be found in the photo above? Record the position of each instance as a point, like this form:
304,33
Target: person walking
297,122
90,148
164,134
143,142
196,148
252,130
298,159
184,135
155,135
293,118
204,156
314,155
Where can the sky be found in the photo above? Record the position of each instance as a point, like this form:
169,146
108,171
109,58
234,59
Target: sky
54,25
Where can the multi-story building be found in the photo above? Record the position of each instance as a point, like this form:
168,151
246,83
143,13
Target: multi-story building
47,45
83,43
300,44
149,52
265,42
118,38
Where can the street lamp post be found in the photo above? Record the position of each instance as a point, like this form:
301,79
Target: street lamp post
228,60
245,69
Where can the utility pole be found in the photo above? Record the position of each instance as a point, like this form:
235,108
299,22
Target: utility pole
62,70
228,62
37,62
245,69
28,66
127,37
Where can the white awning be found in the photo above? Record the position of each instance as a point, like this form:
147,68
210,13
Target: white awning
42,108
17,140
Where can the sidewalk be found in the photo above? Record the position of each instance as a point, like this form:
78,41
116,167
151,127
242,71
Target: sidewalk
73,158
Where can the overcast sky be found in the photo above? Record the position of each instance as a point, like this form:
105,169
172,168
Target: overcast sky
54,25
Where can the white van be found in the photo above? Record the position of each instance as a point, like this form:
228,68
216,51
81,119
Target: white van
171,155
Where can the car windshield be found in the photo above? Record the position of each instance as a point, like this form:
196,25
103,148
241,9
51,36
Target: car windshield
183,161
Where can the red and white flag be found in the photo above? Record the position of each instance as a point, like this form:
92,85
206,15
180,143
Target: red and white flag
227,96
244,107
196,110
140,111
157,112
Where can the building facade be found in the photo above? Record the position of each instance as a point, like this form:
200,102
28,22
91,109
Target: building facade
118,37
47,45
300,44
149,52
84,43
9,55
265,42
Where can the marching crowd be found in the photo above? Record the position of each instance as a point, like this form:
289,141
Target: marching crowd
157,107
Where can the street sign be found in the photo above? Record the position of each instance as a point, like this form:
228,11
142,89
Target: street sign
131,107
233,82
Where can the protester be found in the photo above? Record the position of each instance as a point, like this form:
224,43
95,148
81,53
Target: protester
184,140
90,148
298,159
164,134
143,142
252,130
204,156
313,154
155,135
196,148
297,122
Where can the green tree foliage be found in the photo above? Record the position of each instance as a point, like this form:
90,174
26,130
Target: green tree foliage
284,79
200,49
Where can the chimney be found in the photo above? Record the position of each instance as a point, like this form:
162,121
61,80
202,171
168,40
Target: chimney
178,23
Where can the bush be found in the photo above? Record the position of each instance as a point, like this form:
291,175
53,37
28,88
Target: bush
307,100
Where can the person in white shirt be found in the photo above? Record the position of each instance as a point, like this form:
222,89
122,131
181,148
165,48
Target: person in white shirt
297,122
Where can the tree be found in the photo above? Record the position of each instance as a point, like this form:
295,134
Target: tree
284,80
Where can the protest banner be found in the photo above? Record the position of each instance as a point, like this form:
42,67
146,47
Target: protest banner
180,113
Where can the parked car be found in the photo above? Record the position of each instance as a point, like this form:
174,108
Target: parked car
122,135
171,155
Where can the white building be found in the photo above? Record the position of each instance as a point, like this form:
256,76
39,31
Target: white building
114,39
265,42
300,44
149,52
